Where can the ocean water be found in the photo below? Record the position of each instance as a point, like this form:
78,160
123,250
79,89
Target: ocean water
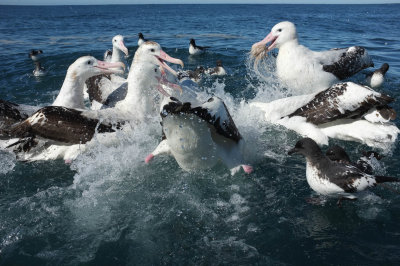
109,208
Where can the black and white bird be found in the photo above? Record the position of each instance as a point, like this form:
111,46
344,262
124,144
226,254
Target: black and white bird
65,129
99,87
107,55
39,70
364,163
335,179
195,49
35,55
346,111
218,70
141,39
376,78
195,75
306,71
199,137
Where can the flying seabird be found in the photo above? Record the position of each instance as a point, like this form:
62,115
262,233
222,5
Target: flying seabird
304,70
194,49
199,137
335,179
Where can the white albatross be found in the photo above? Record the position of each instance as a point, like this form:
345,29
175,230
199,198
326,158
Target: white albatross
307,71
345,111
99,87
62,131
199,137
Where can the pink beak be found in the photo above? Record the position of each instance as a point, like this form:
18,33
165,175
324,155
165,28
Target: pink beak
107,67
165,57
123,48
270,38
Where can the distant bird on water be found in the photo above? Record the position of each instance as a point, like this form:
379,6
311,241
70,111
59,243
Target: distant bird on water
195,49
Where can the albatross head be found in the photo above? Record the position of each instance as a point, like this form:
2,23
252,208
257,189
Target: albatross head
88,66
281,33
118,42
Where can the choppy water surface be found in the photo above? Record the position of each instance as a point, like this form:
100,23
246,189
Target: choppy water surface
109,208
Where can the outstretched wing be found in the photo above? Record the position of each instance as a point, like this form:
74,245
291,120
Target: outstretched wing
213,111
346,62
343,100
60,124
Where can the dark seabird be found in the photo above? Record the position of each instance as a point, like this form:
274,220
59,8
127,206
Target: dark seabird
141,39
336,179
218,70
194,49
338,154
376,78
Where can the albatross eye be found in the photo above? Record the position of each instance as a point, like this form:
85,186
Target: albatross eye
152,50
89,62
279,30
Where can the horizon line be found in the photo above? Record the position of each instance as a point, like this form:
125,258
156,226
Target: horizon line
142,4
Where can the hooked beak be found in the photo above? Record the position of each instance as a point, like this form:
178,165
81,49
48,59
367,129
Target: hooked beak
123,48
165,57
270,38
294,150
163,81
110,68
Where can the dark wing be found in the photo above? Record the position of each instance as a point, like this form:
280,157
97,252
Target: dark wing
213,111
349,62
328,105
9,115
348,177
60,124
93,88
116,96
203,47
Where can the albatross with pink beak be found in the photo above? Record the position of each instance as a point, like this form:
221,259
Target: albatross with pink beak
306,71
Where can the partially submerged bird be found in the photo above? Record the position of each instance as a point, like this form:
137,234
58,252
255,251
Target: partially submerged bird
334,179
195,49
218,70
199,137
39,70
346,111
376,78
141,39
304,70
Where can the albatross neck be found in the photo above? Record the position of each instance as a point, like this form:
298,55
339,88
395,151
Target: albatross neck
71,92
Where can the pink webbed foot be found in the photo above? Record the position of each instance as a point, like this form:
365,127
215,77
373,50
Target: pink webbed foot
149,158
68,161
247,169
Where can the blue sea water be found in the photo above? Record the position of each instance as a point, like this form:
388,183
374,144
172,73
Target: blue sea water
109,208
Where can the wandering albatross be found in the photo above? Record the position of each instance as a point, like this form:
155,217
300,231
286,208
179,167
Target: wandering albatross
101,86
66,126
346,111
70,95
199,137
306,71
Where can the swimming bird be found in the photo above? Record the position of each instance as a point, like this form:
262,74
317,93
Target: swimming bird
346,111
194,49
376,78
194,75
35,55
218,70
39,70
304,70
107,55
199,137
66,126
335,179
141,39
101,86
364,163
70,95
